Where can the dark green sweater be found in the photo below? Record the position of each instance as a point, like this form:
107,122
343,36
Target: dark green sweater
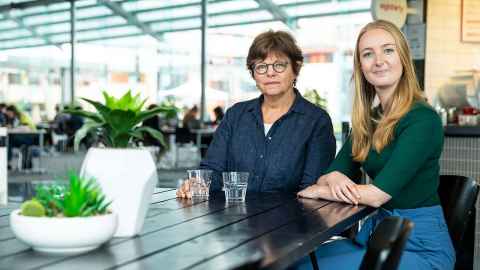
407,168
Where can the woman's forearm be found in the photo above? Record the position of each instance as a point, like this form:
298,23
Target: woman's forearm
372,196
369,194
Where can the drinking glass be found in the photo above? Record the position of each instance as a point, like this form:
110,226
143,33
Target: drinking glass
200,181
235,186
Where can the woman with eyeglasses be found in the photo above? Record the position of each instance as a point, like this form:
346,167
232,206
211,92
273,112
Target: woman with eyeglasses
281,139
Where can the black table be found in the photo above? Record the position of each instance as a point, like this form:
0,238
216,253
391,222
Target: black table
278,229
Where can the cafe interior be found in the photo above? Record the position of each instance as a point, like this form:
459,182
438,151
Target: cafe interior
188,57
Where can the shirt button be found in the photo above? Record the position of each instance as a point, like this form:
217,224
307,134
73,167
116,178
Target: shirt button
261,156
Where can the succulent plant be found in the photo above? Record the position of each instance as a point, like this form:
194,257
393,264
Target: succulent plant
50,196
82,197
32,208
117,121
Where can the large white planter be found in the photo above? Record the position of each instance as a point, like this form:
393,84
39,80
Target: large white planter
62,235
127,178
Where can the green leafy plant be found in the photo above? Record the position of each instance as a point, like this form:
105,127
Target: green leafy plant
315,98
170,103
117,121
81,198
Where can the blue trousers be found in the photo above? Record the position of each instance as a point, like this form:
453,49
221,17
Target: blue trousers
428,247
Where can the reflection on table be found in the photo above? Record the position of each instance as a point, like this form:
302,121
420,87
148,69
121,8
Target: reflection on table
276,228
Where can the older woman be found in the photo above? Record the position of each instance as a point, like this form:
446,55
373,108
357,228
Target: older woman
398,143
281,139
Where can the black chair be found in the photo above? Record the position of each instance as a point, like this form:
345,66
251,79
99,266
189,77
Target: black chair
184,135
458,195
386,245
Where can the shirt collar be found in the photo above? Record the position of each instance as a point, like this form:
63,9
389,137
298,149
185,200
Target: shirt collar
299,104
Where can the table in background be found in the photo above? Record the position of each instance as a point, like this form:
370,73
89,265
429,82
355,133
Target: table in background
203,234
36,135
207,134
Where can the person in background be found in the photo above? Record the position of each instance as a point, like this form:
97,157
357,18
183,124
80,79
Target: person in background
283,141
398,143
72,124
19,121
12,116
190,120
59,122
17,118
3,116
218,111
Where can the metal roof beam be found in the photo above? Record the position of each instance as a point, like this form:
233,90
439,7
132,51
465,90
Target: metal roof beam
32,30
192,28
300,3
29,4
144,22
277,12
214,26
131,20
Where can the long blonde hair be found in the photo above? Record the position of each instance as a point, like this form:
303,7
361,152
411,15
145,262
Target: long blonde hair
364,134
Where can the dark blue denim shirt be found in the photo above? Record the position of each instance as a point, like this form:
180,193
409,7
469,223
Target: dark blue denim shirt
296,151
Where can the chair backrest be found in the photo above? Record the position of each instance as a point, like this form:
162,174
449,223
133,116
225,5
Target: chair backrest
184,135
458,195
385,247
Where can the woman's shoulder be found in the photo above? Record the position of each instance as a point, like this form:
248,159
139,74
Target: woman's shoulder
421,110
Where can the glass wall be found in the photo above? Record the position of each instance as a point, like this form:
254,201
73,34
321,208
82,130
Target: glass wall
154,48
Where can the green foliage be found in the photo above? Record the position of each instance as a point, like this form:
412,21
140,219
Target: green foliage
315,98
81,198
169,102
51,197
117,120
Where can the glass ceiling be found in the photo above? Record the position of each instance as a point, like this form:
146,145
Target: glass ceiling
47,22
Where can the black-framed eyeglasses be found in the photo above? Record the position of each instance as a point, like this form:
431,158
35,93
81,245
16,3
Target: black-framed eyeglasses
262,68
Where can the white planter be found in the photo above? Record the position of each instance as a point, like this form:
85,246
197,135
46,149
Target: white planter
127,178
63,235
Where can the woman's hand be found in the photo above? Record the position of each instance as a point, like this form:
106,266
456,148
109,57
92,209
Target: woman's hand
184,191
312,192
323,191
341,187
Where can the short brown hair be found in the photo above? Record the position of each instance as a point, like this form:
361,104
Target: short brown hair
279,42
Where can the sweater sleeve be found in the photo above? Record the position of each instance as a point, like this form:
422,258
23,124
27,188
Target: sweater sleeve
344,162
418,138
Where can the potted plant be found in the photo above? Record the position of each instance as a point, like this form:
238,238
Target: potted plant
127,174
60,219
172,116
314,97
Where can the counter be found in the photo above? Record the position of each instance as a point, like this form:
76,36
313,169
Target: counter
462,131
